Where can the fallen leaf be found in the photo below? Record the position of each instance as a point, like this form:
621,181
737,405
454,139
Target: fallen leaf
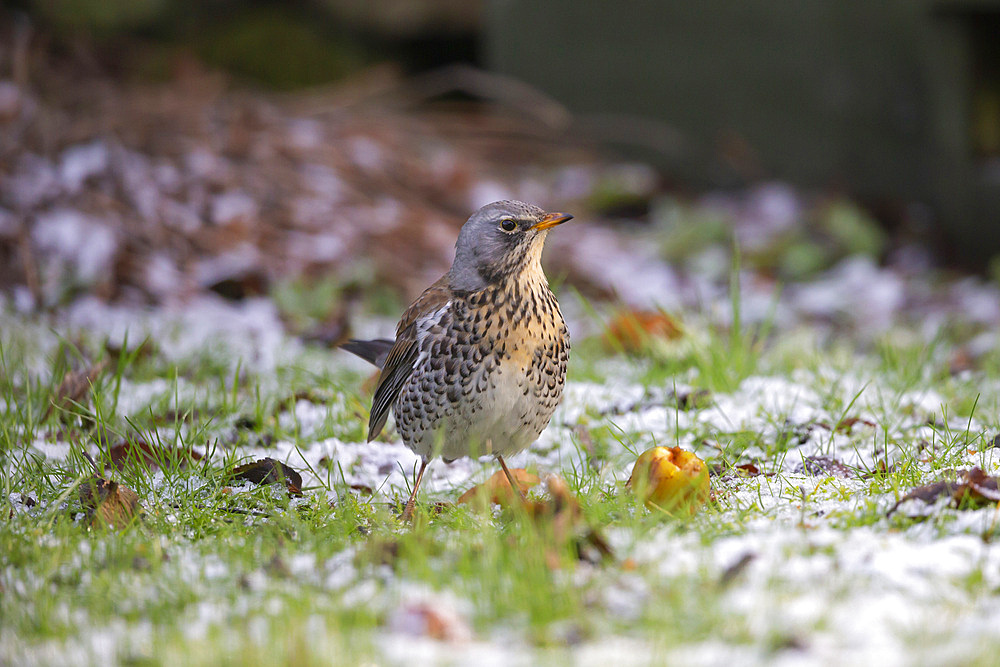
734,570
822,466
497,491
144,351
311,395
881,467
109,503
561,513
242,286
151,456
561,506
847,424
980,488
631,330
928,493
694,399
269,471
748,469
74,387
246,423
973,489
961,360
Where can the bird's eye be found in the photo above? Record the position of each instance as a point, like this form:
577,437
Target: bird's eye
508,225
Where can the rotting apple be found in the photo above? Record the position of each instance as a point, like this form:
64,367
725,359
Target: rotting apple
670,479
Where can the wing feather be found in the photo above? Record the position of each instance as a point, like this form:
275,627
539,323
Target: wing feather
397,370
403,355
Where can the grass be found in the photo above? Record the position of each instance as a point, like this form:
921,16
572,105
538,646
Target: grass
220,574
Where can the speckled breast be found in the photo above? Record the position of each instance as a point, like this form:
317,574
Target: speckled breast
489,374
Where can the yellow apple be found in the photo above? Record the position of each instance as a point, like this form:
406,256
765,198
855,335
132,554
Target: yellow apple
670,479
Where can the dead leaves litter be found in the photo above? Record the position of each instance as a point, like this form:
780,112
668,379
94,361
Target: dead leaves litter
971,489
824,466
141,453
560,512
497,490
108,503
632,331
75,387
269,471
554,511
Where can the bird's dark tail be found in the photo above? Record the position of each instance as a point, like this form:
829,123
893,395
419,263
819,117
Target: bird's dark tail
372,351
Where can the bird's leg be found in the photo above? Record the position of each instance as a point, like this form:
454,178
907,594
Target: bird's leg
411,503
510,479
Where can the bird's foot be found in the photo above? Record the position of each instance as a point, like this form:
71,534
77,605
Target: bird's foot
510,480
411,503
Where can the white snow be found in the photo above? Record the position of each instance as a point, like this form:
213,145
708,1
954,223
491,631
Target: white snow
81,162
75,243
835,593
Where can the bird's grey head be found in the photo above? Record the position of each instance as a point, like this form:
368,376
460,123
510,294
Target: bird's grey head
497,241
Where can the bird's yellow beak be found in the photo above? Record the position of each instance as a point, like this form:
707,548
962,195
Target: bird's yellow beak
551,220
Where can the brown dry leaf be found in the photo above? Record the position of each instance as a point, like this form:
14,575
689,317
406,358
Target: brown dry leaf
562,511
496,490
109,503
734,570
748,469
847,424
927,493
631,330
961,360
980,488
241,286
882,467
274,215
151,456
694,399
269,471
144,351
74,387
973,489
561,505
822,466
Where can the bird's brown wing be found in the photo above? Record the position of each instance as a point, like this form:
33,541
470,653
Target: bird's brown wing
403,355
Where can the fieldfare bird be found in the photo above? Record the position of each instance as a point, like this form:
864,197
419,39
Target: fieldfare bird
479,359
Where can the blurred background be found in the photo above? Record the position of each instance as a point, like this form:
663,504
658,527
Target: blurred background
155,149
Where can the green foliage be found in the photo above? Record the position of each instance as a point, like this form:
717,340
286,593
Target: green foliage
279,48
101,17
